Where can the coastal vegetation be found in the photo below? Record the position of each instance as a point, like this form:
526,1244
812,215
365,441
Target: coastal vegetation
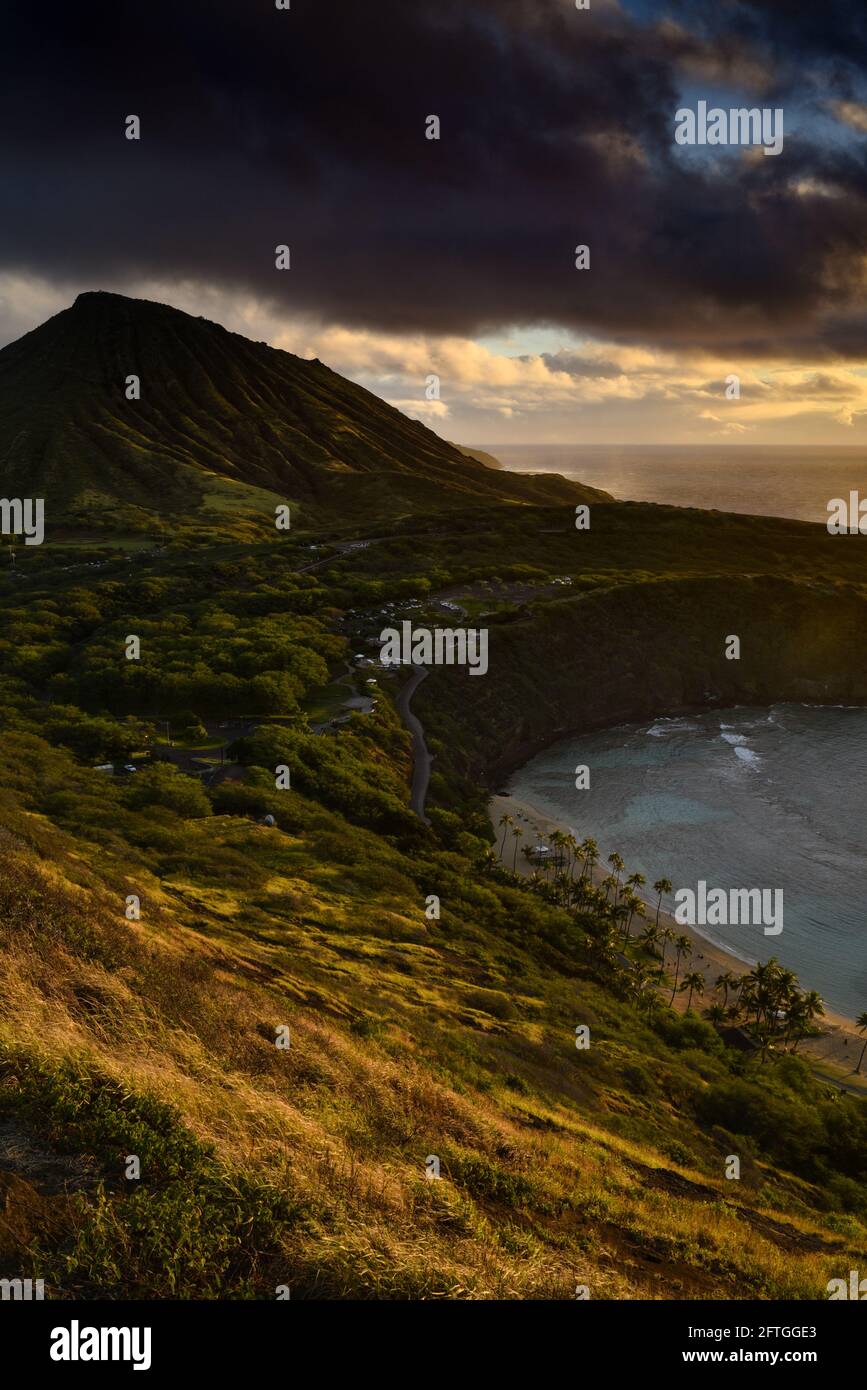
767,1003
170,910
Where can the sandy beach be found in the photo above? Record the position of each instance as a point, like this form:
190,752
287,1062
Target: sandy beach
835,1053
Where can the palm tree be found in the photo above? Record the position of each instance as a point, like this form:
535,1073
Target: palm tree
770,992
649,938
620,913
590,855
746,1000
811,1007
651,1000
728,980
617,867
559,839
609,882
759,989
665,935
797,1022
715,1013
662,885
788,994
861,1025
636,909
782,995
694,982
682,947
640,981
505,821
628,903
517,832
603,947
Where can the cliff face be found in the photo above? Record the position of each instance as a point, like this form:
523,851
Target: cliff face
642,650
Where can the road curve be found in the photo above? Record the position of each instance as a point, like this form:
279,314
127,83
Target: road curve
421,758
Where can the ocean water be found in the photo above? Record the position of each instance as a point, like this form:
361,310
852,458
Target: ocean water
742,798
771,481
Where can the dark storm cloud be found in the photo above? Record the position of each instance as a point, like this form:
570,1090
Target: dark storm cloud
307,127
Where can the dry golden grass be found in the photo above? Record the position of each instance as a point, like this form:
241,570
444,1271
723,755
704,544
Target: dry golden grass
537,1193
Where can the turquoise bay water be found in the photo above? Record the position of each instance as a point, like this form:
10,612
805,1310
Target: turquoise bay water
742,798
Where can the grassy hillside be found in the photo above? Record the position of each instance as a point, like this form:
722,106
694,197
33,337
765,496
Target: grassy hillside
225,429
165,928
409,1038
411,1035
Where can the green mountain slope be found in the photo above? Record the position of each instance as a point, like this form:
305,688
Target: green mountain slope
224,427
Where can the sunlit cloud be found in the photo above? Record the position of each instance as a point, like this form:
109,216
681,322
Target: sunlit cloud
586,390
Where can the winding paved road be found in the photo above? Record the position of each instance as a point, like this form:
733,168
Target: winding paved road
421,758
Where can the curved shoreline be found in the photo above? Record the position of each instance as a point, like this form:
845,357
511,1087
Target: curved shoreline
499,772
840,1044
